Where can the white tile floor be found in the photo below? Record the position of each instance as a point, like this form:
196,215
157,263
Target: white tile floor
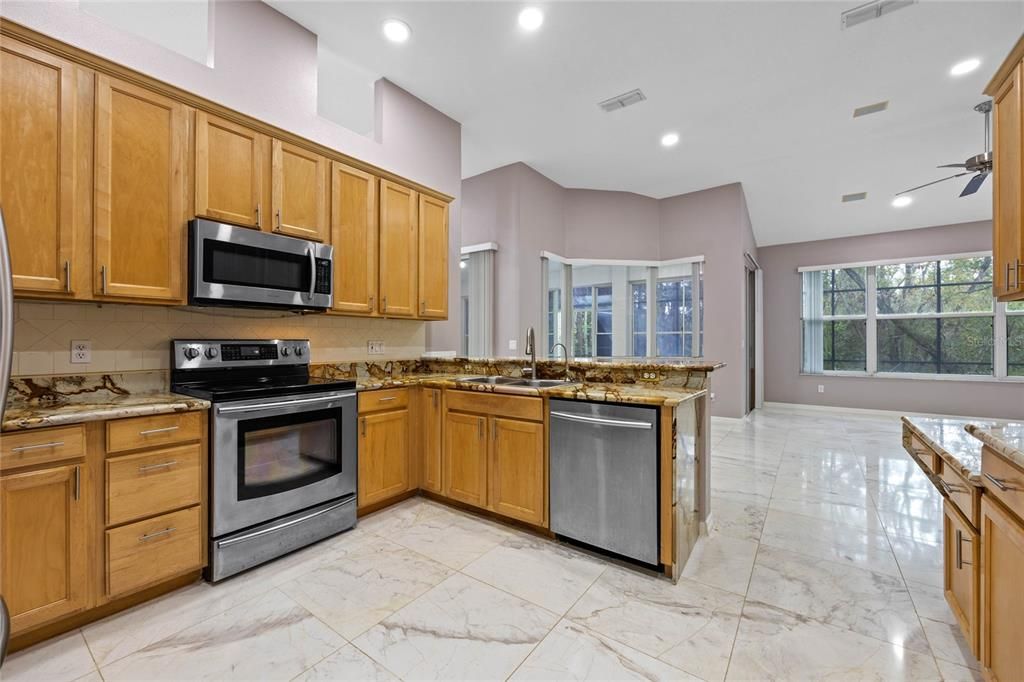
824,563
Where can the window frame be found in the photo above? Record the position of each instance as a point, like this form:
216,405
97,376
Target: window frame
594,314
998,314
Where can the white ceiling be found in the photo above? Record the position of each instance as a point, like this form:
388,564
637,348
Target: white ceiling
761,93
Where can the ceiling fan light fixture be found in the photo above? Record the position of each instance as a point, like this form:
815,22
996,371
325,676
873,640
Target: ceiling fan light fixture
965,67
902,201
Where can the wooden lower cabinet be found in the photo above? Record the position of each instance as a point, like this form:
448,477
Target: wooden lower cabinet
431,445
383,456
1002,597
45,532
961,577
517,478
465,458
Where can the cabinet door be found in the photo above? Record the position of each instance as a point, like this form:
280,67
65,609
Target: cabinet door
1008,176
1002,599
38,139
398,250
141,146
465,458
300,192
229,171
961,577
518,469
383,456
430,435
433,258
354,235
45,571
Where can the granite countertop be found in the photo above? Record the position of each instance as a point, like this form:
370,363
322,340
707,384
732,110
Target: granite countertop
1006,439
949,438
24,415
601,392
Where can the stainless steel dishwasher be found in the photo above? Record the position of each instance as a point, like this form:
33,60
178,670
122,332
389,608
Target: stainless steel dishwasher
604,476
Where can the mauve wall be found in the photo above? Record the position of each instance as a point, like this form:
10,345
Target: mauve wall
621,225
783,381
265,65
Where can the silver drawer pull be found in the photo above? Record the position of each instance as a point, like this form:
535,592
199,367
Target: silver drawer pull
387,400
156,534
25,448
999,483
166,429
161,465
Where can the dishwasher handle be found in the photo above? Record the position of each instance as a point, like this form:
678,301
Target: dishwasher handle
602,421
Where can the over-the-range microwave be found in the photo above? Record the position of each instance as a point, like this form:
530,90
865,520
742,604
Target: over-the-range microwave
239,266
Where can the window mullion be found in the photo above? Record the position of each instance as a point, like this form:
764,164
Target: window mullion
871,332
999,338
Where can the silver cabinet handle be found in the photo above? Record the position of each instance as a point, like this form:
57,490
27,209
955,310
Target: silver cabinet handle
364,425
161,465
386,400
156,534
67,277
623,423
371,304
165,429
960,563
281,526
278,214
948,487
433,395
259,218
480,428
78,482
103,279
40,446
384,303
999,483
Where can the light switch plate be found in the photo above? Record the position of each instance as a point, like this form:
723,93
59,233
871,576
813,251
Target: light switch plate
375,348
81,352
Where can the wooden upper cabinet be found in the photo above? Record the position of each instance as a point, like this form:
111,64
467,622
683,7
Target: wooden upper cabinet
398,248
433,258
229,171
299,192
354,235
43,130
1008,175
43,519
140,204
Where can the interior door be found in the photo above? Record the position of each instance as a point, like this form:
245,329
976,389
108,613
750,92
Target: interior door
354,234
300,192
141,148
433,258
398,247
229,171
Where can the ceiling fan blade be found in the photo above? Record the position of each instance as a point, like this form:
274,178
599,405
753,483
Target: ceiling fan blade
953,165
929,184
974,184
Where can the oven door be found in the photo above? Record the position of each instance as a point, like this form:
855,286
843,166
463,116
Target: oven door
276,456
237,265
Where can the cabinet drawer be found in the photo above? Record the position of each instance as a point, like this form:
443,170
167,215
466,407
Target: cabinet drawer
153,431
516,407
964,496
153,483
41,446
378,401
1003,480
147,552
924,455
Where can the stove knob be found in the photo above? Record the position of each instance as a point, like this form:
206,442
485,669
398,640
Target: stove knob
211,352
191,352
285,351
299,351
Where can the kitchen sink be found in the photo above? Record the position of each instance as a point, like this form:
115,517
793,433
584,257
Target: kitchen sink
544,383
514,381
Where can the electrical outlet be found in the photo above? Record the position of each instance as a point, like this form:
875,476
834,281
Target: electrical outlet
375,348
513,344
81,352
821,388
712,396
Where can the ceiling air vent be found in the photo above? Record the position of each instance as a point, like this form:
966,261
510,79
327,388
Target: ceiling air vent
622,101
872,10
870,109
856,196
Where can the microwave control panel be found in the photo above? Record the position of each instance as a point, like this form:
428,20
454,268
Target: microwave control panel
323,276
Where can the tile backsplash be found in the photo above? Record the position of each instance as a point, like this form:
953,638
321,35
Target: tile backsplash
134,337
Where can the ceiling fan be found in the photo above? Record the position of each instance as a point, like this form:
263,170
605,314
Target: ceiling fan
980,164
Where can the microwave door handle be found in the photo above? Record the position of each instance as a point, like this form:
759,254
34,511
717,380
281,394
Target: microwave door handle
312,272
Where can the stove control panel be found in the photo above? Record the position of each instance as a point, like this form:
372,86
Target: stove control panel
213,353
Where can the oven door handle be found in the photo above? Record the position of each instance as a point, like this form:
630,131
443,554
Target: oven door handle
312,272
281,403
282,526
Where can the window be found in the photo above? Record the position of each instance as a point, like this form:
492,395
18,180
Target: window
1015,339
554,318
639,299
674,321
592,321
918,317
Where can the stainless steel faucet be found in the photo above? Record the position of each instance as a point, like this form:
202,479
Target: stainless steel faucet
531,350
565,352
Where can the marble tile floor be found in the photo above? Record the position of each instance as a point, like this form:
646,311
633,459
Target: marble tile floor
823,563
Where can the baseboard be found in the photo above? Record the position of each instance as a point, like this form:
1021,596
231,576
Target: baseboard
862,410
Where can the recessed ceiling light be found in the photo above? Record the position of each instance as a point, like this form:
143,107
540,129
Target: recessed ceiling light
670,139
902,200
965,67
396,31
531,18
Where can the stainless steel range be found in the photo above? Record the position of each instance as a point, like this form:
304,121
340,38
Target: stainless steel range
282,448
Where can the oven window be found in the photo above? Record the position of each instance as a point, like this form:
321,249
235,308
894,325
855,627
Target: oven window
227,263
276,454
